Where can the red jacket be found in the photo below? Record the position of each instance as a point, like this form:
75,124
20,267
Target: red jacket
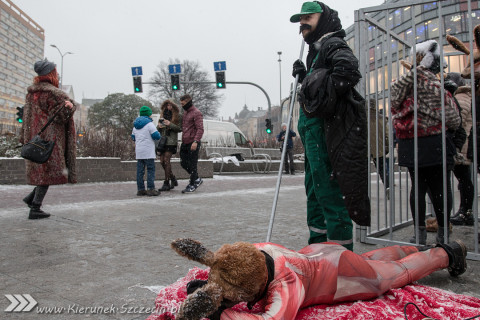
192,125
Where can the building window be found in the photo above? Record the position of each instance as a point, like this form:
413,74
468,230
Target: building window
453,23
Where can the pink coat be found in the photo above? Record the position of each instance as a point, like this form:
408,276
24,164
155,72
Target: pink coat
42,100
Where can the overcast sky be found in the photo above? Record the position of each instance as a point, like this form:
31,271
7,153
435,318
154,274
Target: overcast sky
108,37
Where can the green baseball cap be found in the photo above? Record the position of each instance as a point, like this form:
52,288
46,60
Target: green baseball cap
307,8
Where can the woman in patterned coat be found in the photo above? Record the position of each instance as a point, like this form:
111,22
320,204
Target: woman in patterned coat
429,135
43,99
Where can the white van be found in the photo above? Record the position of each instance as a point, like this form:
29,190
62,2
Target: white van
223,134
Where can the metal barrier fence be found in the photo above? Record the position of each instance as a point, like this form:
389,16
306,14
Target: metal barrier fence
380,50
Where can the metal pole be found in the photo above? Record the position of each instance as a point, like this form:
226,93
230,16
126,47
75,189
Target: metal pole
61,70
280,69
284,151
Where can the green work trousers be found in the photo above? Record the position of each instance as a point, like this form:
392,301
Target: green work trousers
327,217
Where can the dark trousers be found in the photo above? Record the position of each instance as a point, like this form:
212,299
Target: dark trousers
189,160
289,157
430,179
384,175
35,198
465,185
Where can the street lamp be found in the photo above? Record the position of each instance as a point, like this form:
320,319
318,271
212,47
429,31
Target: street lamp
280,68
61,70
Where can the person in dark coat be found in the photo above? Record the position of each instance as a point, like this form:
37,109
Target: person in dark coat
333,129
289,152
43,99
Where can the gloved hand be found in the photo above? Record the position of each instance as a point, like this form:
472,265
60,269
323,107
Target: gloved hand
299,68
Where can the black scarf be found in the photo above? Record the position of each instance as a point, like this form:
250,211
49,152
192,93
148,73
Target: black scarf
187,105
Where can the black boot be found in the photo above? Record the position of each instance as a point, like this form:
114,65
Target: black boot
173,182
457,253
29,198
463,218
460,211
37,213
165,187
422,232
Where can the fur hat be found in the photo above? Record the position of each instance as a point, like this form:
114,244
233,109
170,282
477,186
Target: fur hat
44,67
238,273
460,46
428,55
145,111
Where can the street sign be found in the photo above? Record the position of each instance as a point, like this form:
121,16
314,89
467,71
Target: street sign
220,66
137,71
174,68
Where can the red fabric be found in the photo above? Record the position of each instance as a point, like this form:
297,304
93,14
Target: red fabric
433,302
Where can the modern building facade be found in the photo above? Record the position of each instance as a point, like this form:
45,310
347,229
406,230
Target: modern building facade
431,22
21,44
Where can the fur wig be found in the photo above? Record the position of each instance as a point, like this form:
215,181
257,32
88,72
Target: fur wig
428,55
238,273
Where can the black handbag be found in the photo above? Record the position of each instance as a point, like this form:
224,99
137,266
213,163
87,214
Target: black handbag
162,144
38,150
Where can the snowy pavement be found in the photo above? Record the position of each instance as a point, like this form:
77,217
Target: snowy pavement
104,252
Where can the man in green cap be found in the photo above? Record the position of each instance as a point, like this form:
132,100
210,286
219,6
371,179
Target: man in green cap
333,129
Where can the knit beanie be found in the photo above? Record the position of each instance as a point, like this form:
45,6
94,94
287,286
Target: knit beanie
145,111
43,67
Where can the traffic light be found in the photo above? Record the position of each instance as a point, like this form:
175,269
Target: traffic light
137,84
220,78
268,126
20,114
175,82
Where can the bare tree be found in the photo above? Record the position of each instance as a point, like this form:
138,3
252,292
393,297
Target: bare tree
204,95
117,110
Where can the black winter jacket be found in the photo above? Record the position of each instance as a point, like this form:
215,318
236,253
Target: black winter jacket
328,92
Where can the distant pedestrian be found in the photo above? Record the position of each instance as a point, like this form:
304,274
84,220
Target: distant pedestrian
144,133
169,127
42,100
379,155
289,152
192,132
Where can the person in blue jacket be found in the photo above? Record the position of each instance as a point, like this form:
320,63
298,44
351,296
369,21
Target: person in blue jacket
144,133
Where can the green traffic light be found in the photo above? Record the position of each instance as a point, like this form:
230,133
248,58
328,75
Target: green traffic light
268,130
220,85
174,87
136,89
20,120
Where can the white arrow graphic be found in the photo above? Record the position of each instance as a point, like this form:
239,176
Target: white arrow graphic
23,302
31,303
13,304
20,302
